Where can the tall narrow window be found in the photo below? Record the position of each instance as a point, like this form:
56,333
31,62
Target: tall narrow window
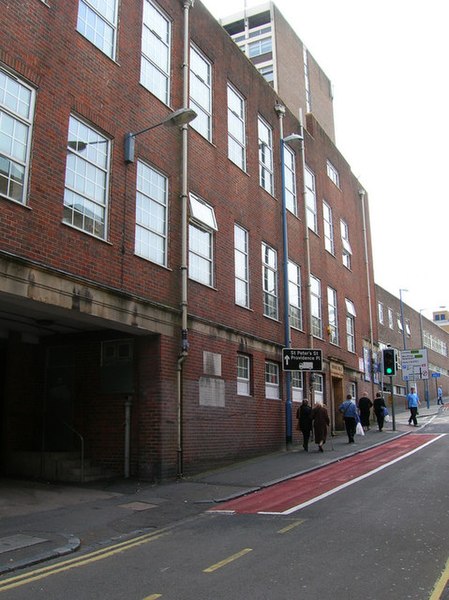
350,325
236,128
332,173
390,318
155,60
243,375
86,179
346,246
297,386
380,312
294,295
332,315
16,116
201,92
315,307
311,215
241,266
265,156
328,228
290,180
201,229
151,215
97,21
270,282
271,380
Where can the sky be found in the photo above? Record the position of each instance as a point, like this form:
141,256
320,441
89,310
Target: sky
388,64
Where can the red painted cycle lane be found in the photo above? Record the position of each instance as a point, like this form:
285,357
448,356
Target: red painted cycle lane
291,495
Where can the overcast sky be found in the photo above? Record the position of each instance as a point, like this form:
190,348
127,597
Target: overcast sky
388,63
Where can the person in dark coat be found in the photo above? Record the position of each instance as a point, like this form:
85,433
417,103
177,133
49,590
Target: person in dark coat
379,409
304,415
365,405
321,422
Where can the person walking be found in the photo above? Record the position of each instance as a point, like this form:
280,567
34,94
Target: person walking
413,403
365,405
440,396
304,415
349,411
321,422
379,408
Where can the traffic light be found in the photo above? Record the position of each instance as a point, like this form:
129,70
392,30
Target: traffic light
390,361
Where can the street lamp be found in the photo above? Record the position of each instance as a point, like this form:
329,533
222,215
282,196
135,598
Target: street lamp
401,304
180,117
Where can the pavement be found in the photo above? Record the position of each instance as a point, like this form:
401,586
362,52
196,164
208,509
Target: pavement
40,521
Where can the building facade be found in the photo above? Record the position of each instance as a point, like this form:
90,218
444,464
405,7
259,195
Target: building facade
143,276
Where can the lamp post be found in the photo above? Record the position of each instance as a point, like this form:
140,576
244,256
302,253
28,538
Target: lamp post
404,342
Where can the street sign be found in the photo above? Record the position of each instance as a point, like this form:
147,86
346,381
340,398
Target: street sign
414,364
436,374
302,359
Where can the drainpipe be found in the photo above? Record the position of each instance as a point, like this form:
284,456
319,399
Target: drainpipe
187,5
368,283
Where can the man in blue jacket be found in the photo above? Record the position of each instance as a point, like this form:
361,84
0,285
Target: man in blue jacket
413,403
349,411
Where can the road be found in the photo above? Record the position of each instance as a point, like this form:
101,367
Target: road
373,528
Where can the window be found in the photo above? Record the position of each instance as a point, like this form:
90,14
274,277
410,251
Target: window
270,282
390,318
380,312
297,386
290,180
294,295
86,179
318,387
315,307
271,380
201,92
259,47
236,128
241,266
346,252
16,116
265,156
243,375
268,72
350,325
155,60
151,215
97,21
332,173
311,215
332,315
328,228
407,327
399,322
201,229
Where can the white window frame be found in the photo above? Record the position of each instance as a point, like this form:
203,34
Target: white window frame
156,51
86,193
104,14
380,312
297,380
311,207
151,214
243,375
316,312
201,92
16,116
272,380
241,266
201,227
332,173
350,325
236,128
294,295
390,318
318,387
259,47
291,202
346,246
328,228
265,140
270,282
332,311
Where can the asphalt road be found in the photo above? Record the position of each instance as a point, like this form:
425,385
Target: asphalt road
385,536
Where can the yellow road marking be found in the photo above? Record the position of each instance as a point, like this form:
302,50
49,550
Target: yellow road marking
153,597
441,583
228,560
36,575
291,526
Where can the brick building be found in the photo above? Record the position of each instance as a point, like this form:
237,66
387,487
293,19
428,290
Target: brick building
141,293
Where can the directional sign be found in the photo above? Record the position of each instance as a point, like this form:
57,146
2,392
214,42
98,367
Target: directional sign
302,359
414,364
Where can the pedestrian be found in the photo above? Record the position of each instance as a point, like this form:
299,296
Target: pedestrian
440,395
304,416
379,409
413,403
365,405
349,411
321,422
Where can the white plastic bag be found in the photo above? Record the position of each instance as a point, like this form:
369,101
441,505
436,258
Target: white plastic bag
359,429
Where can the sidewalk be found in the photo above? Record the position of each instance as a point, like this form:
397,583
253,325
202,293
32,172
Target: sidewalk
41,521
